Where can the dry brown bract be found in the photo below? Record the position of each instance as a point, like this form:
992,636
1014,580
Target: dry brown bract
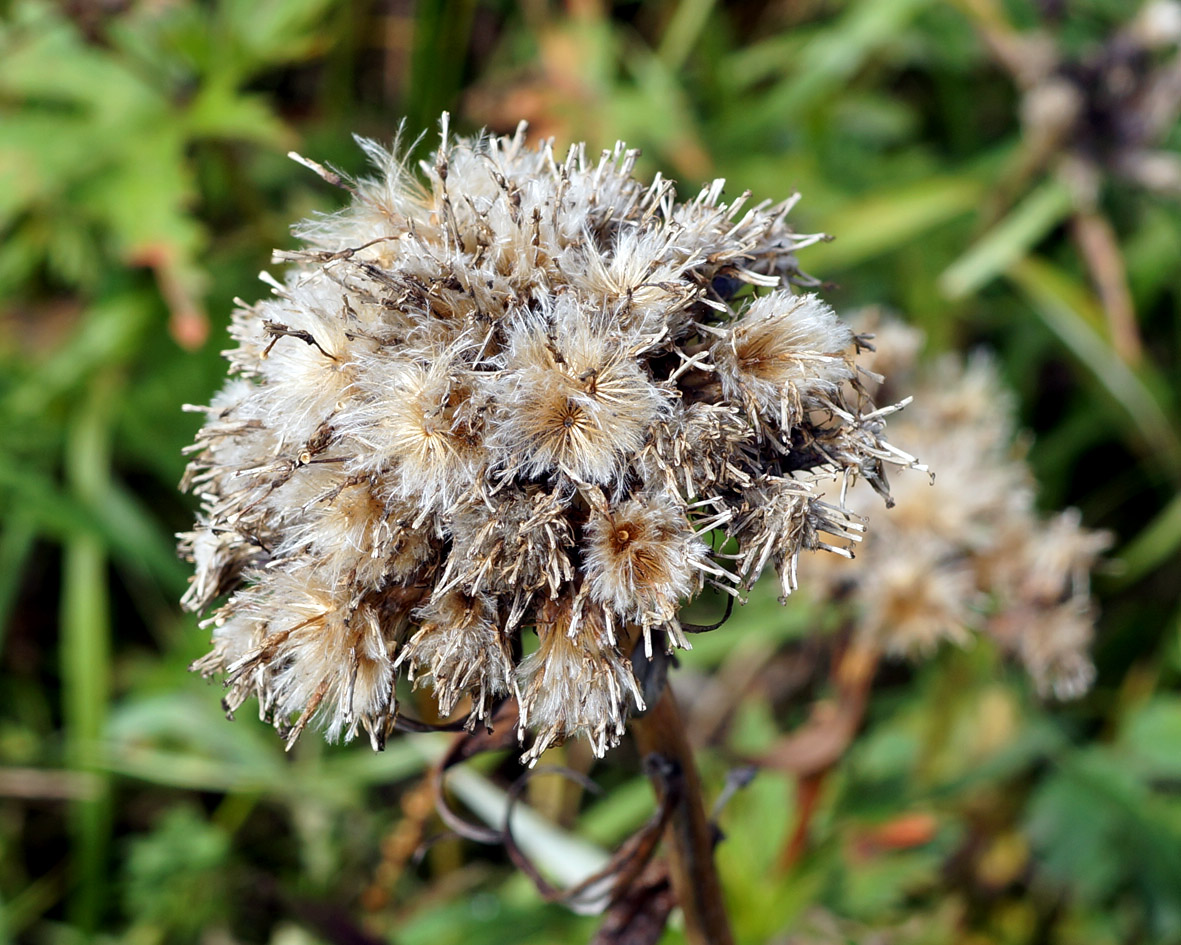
520,394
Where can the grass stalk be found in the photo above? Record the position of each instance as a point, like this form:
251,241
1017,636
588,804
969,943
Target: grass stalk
86,656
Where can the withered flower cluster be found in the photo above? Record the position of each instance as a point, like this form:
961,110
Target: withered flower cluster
520,394
967,552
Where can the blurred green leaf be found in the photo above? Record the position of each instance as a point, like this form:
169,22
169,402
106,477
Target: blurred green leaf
613,815
1010,241
1100,832
1152,737
218,110
831,57
1076,819
184,741
1068,310
107,334
273,31
177,876
872,224
115,521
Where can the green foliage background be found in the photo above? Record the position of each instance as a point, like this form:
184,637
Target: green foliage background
143,184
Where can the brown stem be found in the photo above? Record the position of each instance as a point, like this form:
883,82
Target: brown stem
807,801
815,748
689,836
1097,241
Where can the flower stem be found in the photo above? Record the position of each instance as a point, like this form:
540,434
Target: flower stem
689,837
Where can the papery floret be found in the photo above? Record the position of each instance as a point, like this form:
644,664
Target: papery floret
969,552
462,651
571,398
642,558
420,423
577,683
785,353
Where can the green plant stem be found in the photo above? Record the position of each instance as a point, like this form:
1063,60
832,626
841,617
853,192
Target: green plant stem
689,837
86,653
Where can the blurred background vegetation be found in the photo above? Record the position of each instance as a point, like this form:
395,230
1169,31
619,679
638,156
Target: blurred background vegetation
999,172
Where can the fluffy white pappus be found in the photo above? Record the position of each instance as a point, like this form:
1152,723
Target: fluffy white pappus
321,656
233,438
388,203
1059,559
572,400
310,678
751,244
784,354
1055,649
640,278
219,557
642,558
576,683
520,541
461,651
699,444
246,330
342,523
967,502
421,423
914,601
969,551
973,395
233,482
523,207
308,361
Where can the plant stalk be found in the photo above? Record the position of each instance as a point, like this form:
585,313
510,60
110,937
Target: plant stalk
689,836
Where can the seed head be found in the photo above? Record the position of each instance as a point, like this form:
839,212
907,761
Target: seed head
523,395
969,551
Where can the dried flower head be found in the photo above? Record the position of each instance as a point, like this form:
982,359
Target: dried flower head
517,395
969,551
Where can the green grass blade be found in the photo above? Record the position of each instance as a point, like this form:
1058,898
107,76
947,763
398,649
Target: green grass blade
114,518
835,55
32,902
1155,545
683,31
86,656
15,544
1008,241
440,41
1068,309
878,223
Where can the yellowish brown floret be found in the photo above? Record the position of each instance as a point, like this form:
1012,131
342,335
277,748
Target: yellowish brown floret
642,558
